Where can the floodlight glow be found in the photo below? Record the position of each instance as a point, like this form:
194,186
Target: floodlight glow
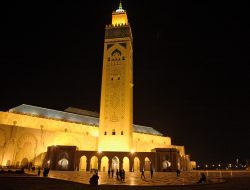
99,150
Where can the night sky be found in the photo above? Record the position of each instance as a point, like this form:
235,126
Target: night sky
191,66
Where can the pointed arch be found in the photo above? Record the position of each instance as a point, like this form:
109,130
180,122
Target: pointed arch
26,148
115,163
63,164
27,138
116,52
67,140
147,164
25,162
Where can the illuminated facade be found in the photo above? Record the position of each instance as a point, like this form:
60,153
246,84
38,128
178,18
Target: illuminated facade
116,112
76,139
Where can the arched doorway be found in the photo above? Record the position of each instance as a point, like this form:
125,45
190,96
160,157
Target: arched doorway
17,164
26,149
24,163
63,163
126,164
147,165
166,165
94,163
136,164
115,163
83,163
66,139
104,164
8,162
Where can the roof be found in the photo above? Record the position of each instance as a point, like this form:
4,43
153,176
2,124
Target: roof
54,114
146,130
82,112
73,117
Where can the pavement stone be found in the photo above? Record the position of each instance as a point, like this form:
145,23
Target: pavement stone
159,178
236,180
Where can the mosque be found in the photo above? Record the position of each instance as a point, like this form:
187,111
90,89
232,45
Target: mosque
76,139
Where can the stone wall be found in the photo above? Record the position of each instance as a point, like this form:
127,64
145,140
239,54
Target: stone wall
25,139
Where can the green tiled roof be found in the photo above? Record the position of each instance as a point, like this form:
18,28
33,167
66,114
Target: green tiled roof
72,117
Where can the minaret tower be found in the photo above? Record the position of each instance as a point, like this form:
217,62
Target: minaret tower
116,110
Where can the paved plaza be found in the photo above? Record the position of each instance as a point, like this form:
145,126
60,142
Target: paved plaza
158,179
134,178
218,180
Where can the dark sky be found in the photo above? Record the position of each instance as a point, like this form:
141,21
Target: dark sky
191,66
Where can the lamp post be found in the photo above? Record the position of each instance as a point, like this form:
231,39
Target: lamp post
219,166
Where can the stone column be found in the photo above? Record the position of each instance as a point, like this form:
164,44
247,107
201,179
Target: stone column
110,163
99,164
131,165
121,165
142,167
88,165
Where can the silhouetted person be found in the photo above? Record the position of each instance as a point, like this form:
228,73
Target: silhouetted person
117,174
178,172
109,173
120,174
38,172
45,172
123,176
142,174
112,173
202,178
151,172
94,179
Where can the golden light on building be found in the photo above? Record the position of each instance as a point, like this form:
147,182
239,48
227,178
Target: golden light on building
119,17
75,139
116,109
132,151
99,150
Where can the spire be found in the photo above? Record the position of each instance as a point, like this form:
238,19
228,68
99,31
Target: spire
119,17
120,9
120,5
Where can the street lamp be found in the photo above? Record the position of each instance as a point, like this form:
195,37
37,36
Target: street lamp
219,166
